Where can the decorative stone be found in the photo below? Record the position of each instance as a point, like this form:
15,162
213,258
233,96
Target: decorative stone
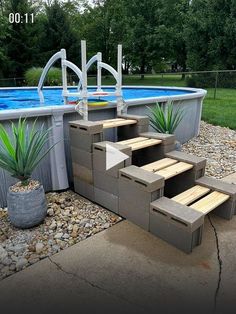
3,254
21,263
58,235
39,247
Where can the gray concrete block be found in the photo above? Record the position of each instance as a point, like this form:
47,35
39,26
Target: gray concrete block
83,173
167,139
136,197
87,127
137,189
83,140
82,157
135,206
99,158
141,120
226,210
137,215
83,188
105,182
141,179
176,224
106,200
198,162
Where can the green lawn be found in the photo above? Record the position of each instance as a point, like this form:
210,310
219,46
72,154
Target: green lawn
219,111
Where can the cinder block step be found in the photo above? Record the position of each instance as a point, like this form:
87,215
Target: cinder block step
140,142
176,224
132,140
174,170
137,189
210,202
228,208
147,149
114,123
212,195
160,164
191,195
144,144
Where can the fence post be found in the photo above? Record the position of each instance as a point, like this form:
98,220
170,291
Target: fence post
216,84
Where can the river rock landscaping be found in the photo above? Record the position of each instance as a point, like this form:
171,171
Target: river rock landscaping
218,145
71,218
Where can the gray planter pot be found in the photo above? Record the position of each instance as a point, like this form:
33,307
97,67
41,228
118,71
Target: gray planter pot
27,209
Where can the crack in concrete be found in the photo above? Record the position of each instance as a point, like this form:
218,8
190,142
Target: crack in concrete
220,262
59,267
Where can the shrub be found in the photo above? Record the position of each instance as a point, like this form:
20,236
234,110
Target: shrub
165,120
53,78
22,151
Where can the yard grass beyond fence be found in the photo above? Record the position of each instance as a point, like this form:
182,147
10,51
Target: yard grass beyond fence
220,111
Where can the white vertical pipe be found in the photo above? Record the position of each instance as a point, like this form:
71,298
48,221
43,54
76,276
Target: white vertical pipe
99,72
84,80
64,74
119,81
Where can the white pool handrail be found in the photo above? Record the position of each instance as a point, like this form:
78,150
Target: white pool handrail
82,92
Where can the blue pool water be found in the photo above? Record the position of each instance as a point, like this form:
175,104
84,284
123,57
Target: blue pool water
28,98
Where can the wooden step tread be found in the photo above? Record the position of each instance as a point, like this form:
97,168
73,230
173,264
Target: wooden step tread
191,195
133,140
174,170
144,144
210,202
111,120
116,123
159,164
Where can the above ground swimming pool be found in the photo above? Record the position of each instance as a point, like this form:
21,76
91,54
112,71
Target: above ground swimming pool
22,98
55,171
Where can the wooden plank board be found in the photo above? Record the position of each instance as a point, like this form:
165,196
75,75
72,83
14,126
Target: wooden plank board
144,144
160,164
115,124
133,140
210,202
191,195
174,170
111,120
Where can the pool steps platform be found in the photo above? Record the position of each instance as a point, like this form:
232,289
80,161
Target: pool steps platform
161,190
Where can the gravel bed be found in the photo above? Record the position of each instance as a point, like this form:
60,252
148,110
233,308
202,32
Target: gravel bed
218,145
70,219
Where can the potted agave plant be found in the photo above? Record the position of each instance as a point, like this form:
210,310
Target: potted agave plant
20,153
166,120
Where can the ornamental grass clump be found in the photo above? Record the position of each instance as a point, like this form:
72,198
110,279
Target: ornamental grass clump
165,119
22,150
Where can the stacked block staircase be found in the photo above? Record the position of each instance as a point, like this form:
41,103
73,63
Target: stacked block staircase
162,190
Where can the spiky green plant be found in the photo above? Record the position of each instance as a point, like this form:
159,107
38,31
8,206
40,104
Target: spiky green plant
22,149
165,120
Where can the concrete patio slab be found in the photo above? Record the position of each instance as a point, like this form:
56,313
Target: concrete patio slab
127,270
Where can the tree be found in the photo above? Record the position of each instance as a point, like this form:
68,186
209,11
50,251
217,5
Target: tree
171,31
20,38
210,34
142,33
57,33
4,29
